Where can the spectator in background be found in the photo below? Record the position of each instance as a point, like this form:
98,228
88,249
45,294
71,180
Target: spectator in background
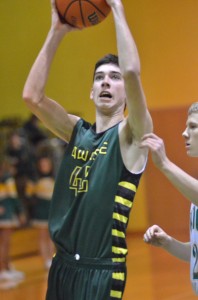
39,142
39,193
21,159
33,131
54,147
12,215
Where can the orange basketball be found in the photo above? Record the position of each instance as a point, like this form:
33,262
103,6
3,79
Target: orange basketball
82,13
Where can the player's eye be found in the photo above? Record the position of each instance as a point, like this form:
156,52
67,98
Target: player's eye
116,76
193,126
98,77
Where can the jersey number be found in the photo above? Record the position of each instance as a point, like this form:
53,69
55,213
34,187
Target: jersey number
78,180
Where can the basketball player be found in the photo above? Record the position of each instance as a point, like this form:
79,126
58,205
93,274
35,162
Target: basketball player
187,185
101,168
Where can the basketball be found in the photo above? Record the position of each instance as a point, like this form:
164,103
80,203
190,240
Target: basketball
82,13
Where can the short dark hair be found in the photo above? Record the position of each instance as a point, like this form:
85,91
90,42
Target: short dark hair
107,59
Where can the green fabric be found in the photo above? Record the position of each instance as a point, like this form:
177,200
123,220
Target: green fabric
84,215
82,206
73,281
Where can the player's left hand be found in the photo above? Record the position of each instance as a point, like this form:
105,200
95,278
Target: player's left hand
156,145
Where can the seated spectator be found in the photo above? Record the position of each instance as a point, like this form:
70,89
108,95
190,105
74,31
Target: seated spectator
39,192
21,159
33,132
12,215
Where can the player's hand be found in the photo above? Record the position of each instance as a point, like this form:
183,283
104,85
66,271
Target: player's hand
156,236
113,2
157,148
56,22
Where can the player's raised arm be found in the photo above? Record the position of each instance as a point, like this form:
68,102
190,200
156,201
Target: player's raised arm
139,119
48,111
185,183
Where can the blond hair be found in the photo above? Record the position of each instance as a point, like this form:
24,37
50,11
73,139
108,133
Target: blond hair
193,108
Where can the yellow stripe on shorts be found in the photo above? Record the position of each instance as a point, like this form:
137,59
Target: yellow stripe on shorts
118,276
118,259
116,294
118,250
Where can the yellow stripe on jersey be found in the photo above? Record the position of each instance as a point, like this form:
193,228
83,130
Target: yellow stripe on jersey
128,185
118,250
116,294
118,233
120,218
123,201
118,276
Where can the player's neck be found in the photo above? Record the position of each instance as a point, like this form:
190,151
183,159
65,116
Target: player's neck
104,122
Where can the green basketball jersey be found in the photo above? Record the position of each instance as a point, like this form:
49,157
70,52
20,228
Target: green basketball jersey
93,196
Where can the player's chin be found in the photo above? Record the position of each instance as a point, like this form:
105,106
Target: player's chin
191,153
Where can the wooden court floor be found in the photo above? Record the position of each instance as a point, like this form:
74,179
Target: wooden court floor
152,275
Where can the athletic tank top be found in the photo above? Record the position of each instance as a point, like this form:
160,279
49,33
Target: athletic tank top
194,247
93,196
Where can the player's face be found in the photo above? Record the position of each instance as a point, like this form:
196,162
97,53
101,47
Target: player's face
45,165
191,135
108,88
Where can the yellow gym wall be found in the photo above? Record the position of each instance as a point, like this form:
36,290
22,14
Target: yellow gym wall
166,33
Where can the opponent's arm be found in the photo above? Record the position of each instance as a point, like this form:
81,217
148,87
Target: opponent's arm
186,184
156,236
48,111
139,119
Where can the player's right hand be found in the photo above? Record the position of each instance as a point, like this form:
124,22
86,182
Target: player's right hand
156,236
56,22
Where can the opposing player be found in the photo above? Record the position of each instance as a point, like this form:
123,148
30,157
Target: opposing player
101,168
187,185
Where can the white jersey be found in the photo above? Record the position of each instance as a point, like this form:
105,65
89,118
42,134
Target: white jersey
194,247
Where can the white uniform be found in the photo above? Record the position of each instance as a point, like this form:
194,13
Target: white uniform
194,247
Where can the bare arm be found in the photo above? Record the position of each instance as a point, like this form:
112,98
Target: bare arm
186,184
139,119
48,111
156,236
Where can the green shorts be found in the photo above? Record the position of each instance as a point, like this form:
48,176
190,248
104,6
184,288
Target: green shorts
8,213
74,278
